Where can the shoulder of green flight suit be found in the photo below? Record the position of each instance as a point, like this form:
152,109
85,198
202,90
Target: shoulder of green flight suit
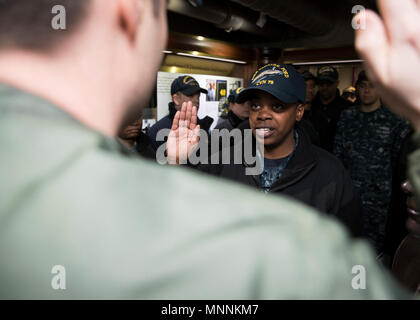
124,228
414,166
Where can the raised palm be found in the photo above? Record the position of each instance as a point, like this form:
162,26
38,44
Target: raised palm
390,45
184,135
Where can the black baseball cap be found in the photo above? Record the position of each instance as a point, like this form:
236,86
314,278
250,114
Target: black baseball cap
280,80
361,77
186,85
307,75
327,73
233,97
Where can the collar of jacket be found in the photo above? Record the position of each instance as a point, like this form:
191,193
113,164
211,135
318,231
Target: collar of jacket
234,119
303,161
172,110
375,114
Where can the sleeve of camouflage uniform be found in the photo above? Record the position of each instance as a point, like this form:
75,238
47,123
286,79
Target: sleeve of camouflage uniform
401,131
414,167
338,149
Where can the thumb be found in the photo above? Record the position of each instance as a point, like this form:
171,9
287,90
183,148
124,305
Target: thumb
197,132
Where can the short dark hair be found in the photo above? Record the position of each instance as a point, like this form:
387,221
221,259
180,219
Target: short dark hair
26,24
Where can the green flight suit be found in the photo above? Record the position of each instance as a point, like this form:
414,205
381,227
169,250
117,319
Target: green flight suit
125,228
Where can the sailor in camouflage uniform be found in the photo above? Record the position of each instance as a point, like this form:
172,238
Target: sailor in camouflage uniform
368,142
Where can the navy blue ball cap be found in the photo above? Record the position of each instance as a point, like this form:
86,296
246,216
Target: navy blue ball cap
280,80
362,77
327,73
308,76
233,97
186,85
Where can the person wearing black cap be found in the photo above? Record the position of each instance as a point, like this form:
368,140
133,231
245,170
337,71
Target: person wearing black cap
310,81
350,94
307,122
292,165
327,106
238,112
183,89
368,143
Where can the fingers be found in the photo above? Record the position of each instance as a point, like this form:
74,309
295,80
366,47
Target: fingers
175,123
183,113
196,133
400,18
193,122
190,118
373,46
193,140
188,114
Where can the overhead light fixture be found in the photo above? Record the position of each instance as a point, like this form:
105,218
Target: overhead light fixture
173,70
167,51
200,38
195,53
211,58
326,62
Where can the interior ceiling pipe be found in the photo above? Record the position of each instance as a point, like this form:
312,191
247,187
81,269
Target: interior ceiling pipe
221,14
303,15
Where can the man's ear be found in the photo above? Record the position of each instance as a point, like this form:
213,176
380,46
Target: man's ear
300,110
175,99
129,16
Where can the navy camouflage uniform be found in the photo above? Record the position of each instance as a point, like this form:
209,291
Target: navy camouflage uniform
368,144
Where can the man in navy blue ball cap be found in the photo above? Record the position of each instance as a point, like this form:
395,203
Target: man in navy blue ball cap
183,89
292,165
238,112
327,106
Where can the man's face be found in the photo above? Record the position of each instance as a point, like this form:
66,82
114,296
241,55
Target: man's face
272,119
241,110
327,89
367,93
310,90
179,98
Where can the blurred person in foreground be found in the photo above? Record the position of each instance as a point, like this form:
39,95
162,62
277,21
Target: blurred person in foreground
70,197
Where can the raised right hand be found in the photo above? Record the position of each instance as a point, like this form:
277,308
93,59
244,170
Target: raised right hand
184,136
